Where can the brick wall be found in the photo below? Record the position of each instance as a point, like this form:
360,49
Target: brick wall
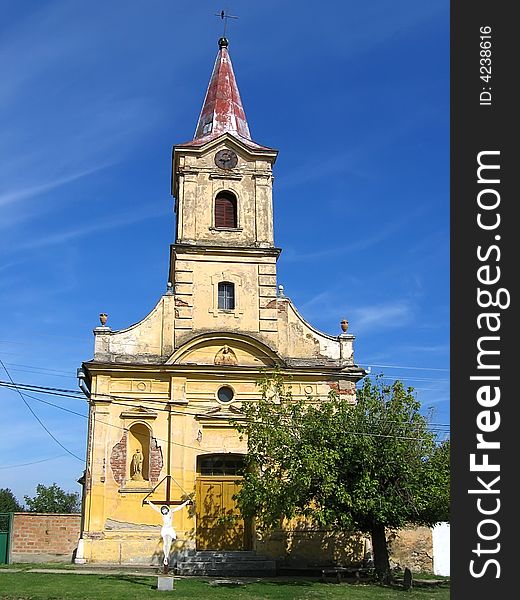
40,537
118,459
156,460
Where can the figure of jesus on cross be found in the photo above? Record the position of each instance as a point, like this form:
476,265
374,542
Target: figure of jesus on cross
167,531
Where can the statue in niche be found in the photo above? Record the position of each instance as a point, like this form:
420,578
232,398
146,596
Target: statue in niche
136,466
226,356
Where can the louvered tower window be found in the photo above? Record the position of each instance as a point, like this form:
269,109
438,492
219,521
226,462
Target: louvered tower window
226,296
226,210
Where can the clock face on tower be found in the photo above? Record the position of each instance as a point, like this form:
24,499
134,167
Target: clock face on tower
226,159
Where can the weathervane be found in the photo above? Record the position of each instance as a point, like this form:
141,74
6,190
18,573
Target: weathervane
224,16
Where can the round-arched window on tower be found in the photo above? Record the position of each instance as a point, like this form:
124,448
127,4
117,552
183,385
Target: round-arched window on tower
226,210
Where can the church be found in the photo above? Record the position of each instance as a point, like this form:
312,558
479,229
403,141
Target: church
163,392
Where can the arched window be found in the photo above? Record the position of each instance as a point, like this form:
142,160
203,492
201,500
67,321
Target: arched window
226,295
226,210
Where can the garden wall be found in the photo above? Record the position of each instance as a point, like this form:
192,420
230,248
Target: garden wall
44,537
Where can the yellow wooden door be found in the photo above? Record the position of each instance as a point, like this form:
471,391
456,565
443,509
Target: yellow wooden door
219,526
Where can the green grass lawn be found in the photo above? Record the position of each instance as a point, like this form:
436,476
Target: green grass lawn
24,585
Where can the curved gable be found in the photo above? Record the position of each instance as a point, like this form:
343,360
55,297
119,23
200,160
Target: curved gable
224,349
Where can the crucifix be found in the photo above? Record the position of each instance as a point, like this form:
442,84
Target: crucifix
167,505
225,16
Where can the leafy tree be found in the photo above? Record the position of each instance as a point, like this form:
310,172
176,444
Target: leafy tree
53,499
366,466
8,501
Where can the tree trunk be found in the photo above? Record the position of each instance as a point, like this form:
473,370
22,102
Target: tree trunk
381,559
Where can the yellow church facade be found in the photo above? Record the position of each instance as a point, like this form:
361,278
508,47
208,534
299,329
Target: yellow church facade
164,392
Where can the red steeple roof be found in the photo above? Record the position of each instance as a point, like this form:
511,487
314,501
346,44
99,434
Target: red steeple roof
222,110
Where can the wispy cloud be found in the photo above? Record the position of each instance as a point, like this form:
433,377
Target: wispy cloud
70,130
316,303
22,193
292,256
423,348
389,315
436,401
356,160
372,25
79,232
363,243
386,315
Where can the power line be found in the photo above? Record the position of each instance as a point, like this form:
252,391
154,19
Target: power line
68,373
77,394
37,417
369,364
73,412
404,367
437,429
416,379
117,426
34,462
120,400
40,391
43,373
131,402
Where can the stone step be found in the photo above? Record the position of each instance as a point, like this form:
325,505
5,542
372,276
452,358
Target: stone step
223,559
226,563
260,564
227,572
223,553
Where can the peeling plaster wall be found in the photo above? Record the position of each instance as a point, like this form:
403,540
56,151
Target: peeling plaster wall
198,184
412,548
276,321
169,362
148,340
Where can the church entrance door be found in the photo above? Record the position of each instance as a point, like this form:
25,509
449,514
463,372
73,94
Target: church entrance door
219,524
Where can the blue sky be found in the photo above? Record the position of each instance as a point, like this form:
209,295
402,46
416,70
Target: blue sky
93,95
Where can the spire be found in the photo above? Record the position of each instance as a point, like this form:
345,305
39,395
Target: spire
222,111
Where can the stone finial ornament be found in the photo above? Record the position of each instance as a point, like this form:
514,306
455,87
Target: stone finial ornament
103,319
344,325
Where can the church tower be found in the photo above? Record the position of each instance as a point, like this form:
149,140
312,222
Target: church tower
163,392
223,262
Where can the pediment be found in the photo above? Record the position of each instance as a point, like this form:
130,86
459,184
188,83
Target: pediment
139,413
221,415
210,143
224,351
